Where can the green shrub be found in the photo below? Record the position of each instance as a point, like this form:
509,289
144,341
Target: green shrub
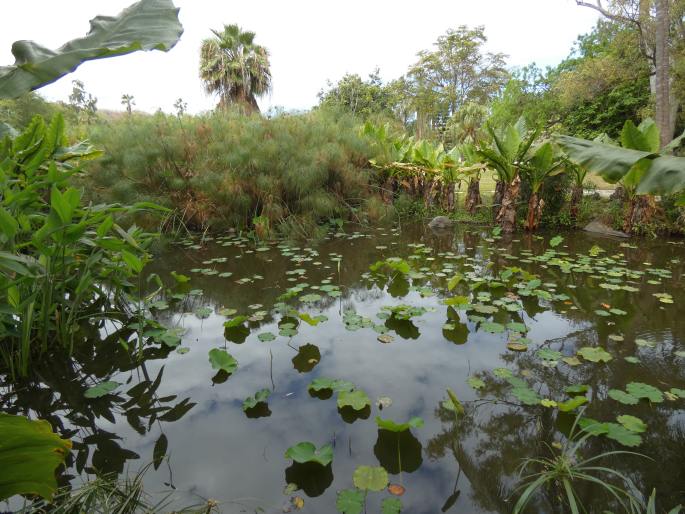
222,170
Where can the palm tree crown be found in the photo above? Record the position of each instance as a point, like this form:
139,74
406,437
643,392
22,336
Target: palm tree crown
234,67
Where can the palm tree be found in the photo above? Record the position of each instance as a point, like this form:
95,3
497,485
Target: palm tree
235,68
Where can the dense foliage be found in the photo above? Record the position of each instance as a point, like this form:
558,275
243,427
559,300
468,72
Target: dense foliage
226,170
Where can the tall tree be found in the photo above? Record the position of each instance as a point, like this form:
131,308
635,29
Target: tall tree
235,68
458,71
652,20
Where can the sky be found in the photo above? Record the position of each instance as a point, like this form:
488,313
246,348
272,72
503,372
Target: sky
310,42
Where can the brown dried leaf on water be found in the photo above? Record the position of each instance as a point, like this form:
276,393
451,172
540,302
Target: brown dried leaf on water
396,489
385,338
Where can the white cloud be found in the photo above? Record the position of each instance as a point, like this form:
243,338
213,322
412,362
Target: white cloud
310,42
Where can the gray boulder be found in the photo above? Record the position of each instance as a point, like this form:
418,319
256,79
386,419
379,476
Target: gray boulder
597,227
440,223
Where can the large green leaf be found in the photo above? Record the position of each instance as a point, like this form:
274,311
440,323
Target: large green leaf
145,25
666,175
609,161
29,454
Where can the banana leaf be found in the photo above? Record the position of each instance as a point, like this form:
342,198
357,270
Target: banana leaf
145,25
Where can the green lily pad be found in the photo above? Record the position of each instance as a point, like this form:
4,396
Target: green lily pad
572,404
222,360
322,383
622,397
594,354
260,396
632,423
369,478
640,390
350,501
526,395
101,389
492,327
622,435
266,337
356,399
235,322
476,383
391,506
388,424
305,452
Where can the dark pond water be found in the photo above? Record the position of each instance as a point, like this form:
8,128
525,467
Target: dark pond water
589,292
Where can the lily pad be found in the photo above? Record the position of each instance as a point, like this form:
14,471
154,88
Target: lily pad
356,399
305,452
623,397
101,389
391,506
388,424
350,501
476,383
640,390
260,396
594,354
322,383
632,423
222,360
369,478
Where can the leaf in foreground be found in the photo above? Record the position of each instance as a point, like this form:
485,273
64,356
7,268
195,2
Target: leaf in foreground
145,25
391,506
29,455
305,452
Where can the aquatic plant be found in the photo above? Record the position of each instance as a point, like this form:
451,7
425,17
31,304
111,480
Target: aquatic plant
566,468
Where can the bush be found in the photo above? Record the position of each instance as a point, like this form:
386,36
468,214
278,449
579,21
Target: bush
223,170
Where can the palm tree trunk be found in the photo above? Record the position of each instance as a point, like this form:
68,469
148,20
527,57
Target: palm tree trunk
497,198
473,198
506,217
641,210
450,197
576,199
535,205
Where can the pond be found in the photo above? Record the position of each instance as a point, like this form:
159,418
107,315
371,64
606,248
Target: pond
506,324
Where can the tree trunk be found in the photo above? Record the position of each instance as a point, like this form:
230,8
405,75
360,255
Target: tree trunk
641,210
473,198
497,198
450,197
535,205
576,199
663,80
506,217
387,191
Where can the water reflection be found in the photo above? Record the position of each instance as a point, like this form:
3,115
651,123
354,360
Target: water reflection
465,464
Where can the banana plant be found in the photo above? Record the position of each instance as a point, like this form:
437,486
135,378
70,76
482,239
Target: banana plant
510,149
639,165
542,165
473,168
145,25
